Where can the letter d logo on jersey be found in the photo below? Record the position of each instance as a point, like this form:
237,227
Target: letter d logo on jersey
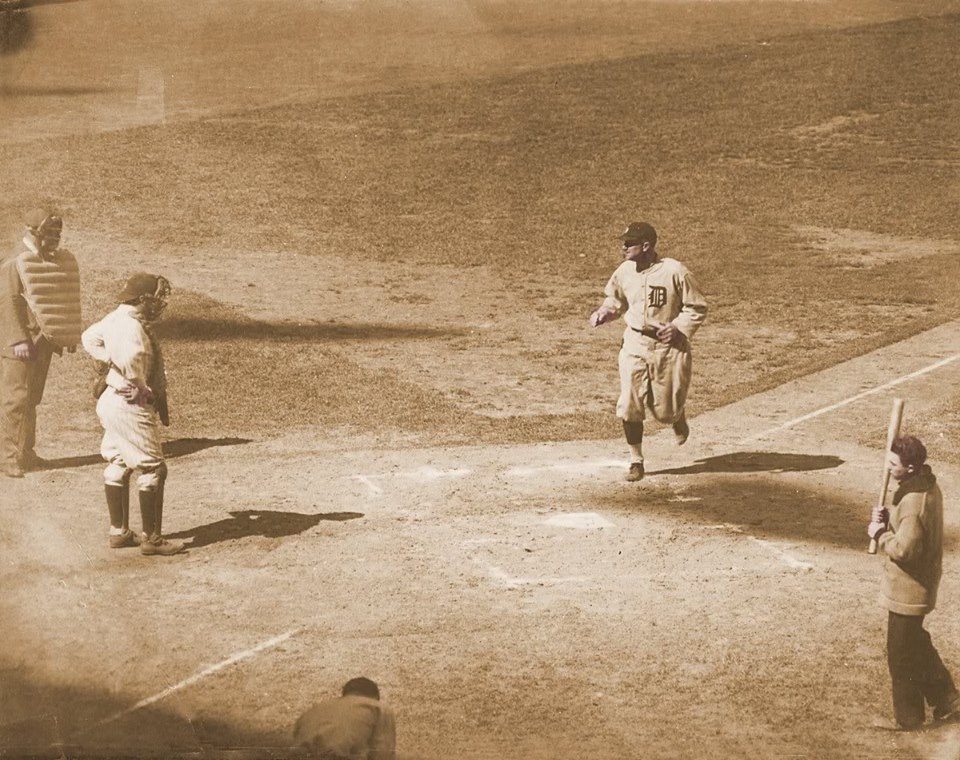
658,296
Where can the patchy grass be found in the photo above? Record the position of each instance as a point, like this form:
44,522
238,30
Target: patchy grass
727,152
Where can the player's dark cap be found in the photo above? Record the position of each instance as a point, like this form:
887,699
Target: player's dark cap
44,222
639,232
144,284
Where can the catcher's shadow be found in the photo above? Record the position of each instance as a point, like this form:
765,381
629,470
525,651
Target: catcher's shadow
257,522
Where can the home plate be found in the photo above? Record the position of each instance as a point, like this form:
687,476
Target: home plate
581,520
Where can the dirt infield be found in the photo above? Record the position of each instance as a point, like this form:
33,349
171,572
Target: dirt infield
393,449
516,601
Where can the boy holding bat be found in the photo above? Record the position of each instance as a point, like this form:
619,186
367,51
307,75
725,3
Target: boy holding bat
910,536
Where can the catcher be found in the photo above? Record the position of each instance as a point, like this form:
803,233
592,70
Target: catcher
662,308
131,402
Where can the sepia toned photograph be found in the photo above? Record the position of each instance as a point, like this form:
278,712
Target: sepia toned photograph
480,379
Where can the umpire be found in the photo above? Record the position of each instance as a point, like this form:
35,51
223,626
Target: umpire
39,317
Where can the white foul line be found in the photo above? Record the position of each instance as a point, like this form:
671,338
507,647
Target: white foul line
231,660
878,389
784,556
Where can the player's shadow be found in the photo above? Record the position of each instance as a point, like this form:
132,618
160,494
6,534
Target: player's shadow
761,507
179,447
192,328
257,522
755,461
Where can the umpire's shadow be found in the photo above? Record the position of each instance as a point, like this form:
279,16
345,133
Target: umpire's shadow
257,522
179,447
755,461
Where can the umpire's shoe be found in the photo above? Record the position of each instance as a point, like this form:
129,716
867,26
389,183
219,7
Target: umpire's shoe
157,546
635,472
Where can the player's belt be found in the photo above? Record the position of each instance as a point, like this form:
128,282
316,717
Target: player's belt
650,332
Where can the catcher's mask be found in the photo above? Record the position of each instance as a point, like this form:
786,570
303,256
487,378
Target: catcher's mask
149,290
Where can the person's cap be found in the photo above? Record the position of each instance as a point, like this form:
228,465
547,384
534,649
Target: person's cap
44,222
140,284
639,232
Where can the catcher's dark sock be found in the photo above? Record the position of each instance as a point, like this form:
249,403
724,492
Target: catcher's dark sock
148,512
114,504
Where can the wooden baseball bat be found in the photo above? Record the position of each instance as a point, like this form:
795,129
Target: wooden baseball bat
893,430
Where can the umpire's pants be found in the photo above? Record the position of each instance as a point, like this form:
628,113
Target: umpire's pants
916,670
21,391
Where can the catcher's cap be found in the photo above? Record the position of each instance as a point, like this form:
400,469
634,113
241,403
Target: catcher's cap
44,222
639,232
144,284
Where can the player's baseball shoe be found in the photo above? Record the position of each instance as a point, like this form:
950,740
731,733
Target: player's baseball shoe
11,470
681,430
635,472
125,539
158,546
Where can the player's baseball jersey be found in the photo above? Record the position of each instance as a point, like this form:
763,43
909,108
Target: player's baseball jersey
663,292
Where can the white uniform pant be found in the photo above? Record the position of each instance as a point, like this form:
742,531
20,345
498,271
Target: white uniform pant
131,440
654,376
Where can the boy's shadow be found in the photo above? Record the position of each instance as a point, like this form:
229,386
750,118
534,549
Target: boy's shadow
257,522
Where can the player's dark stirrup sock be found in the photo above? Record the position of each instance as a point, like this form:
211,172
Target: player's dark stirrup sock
633,431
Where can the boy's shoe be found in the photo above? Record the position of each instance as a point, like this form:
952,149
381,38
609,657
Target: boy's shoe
125,539
948,712
635,472
889,724
159,546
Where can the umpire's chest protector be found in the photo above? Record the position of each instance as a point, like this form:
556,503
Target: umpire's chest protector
51,288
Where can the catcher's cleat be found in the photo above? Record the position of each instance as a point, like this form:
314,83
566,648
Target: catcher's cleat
635,472
125,539
681,430
159,547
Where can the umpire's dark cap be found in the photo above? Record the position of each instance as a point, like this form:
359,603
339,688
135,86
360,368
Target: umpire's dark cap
139,284
639,232
44,222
